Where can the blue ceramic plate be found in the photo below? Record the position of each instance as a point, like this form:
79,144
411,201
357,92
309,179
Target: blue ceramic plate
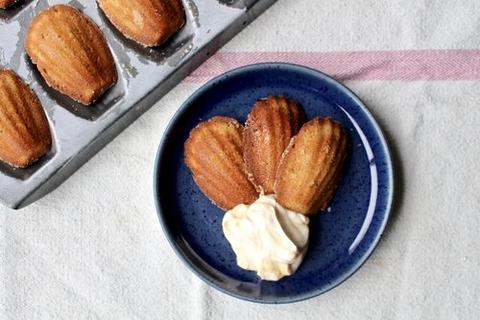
342,238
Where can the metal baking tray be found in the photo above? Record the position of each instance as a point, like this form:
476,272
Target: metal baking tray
145,75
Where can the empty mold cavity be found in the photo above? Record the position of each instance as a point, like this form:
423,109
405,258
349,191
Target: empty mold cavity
239,4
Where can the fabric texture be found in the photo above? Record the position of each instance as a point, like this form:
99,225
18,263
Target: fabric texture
93,248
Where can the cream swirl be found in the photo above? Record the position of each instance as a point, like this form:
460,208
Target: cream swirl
266,237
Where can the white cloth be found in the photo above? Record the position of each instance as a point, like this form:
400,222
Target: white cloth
93,248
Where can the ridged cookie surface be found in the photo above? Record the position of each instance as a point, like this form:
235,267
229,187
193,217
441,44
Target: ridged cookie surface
311,166
213,152
148,22
71,53
268,129
24,131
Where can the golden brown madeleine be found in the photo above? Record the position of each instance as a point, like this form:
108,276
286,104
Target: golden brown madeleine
71,53
4,4
148,22
213,152
24,131
311,166
269,127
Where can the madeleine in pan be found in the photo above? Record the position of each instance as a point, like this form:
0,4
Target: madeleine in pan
311,166
148,22
213,152
268,129
24,131
4,4
71,53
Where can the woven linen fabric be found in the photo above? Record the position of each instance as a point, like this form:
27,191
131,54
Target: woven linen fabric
93,248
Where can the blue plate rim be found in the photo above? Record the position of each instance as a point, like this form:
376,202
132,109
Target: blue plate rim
184,107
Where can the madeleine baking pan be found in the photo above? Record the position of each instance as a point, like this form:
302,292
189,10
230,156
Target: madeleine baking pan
145,75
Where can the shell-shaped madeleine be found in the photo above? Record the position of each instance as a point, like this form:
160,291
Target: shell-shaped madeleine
311,166
213,152
268,129
148,22
24,131
71,53
4,4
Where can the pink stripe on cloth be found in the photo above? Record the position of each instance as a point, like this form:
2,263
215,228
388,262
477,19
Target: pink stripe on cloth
406,65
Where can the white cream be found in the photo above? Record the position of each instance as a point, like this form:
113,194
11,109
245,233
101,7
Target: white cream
266,237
